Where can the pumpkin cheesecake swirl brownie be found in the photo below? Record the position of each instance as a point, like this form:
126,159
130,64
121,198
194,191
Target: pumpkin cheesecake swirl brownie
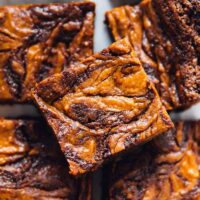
101,107
166,168
165,36
32,166
39,40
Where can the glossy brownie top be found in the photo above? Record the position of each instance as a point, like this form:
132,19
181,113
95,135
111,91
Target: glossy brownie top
39,40
166,168
101,107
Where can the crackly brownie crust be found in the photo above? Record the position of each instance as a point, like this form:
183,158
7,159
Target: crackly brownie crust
39,40
31,164
166,168
101,107
166,39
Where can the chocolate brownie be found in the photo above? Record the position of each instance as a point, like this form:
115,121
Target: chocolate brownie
101,107
32,165
165,35
166,168
39,40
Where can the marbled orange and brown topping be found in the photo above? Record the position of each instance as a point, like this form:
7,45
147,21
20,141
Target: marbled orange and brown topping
31,164
165,36
37,41
101,107
167,168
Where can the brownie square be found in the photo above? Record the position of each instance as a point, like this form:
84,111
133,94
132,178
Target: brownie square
101,107
165,36
32,165
166,168
39,40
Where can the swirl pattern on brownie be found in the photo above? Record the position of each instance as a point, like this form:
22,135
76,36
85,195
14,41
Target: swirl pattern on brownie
166,168
165,36
101,107
37,41
31,164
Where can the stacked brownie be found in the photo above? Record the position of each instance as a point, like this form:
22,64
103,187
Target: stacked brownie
107,106
101,107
